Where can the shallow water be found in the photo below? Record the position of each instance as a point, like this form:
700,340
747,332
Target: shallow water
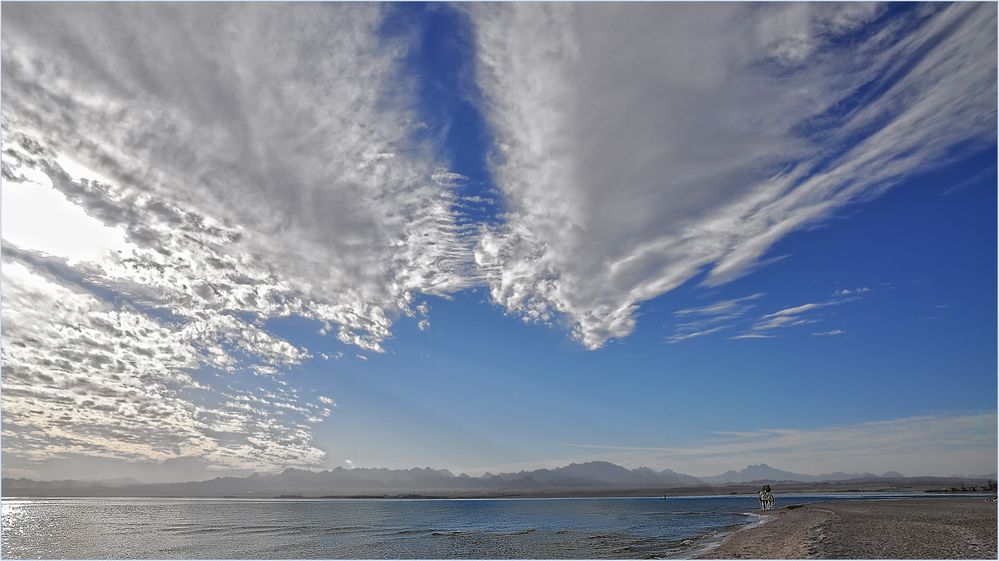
101,528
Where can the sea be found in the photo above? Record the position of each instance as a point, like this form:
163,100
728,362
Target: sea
562,528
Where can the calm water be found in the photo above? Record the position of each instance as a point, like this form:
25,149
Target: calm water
395,529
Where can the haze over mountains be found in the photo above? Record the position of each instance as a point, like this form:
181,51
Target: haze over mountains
588,478
763,472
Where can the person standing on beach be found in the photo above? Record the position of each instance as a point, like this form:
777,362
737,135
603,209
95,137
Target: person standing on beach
766,498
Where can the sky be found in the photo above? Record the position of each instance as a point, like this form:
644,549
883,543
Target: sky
490,237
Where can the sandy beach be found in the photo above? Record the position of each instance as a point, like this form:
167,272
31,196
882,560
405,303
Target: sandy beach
959,528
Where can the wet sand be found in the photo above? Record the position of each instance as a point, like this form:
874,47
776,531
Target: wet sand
959,528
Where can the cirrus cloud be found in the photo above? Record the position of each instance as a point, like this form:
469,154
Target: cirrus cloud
641,145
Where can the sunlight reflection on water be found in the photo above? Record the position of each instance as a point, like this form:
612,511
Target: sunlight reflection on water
396,529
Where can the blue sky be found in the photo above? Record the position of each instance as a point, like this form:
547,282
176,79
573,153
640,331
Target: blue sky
921,342
500,237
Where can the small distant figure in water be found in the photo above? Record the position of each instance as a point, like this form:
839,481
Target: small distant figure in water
766,498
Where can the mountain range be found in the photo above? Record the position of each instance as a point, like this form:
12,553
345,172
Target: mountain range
763,472
586,478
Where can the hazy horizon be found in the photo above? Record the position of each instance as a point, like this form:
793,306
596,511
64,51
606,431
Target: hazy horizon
243,238
497,471
724,455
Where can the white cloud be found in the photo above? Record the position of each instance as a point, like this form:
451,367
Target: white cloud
688,334
715,317
849,292
686,138
796,310
32,207
787,317
800,315
753,335
202,169
261,157
830,333
82,377
205,168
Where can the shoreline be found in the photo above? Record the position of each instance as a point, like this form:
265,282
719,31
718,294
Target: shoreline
568,494
702,546
959,528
